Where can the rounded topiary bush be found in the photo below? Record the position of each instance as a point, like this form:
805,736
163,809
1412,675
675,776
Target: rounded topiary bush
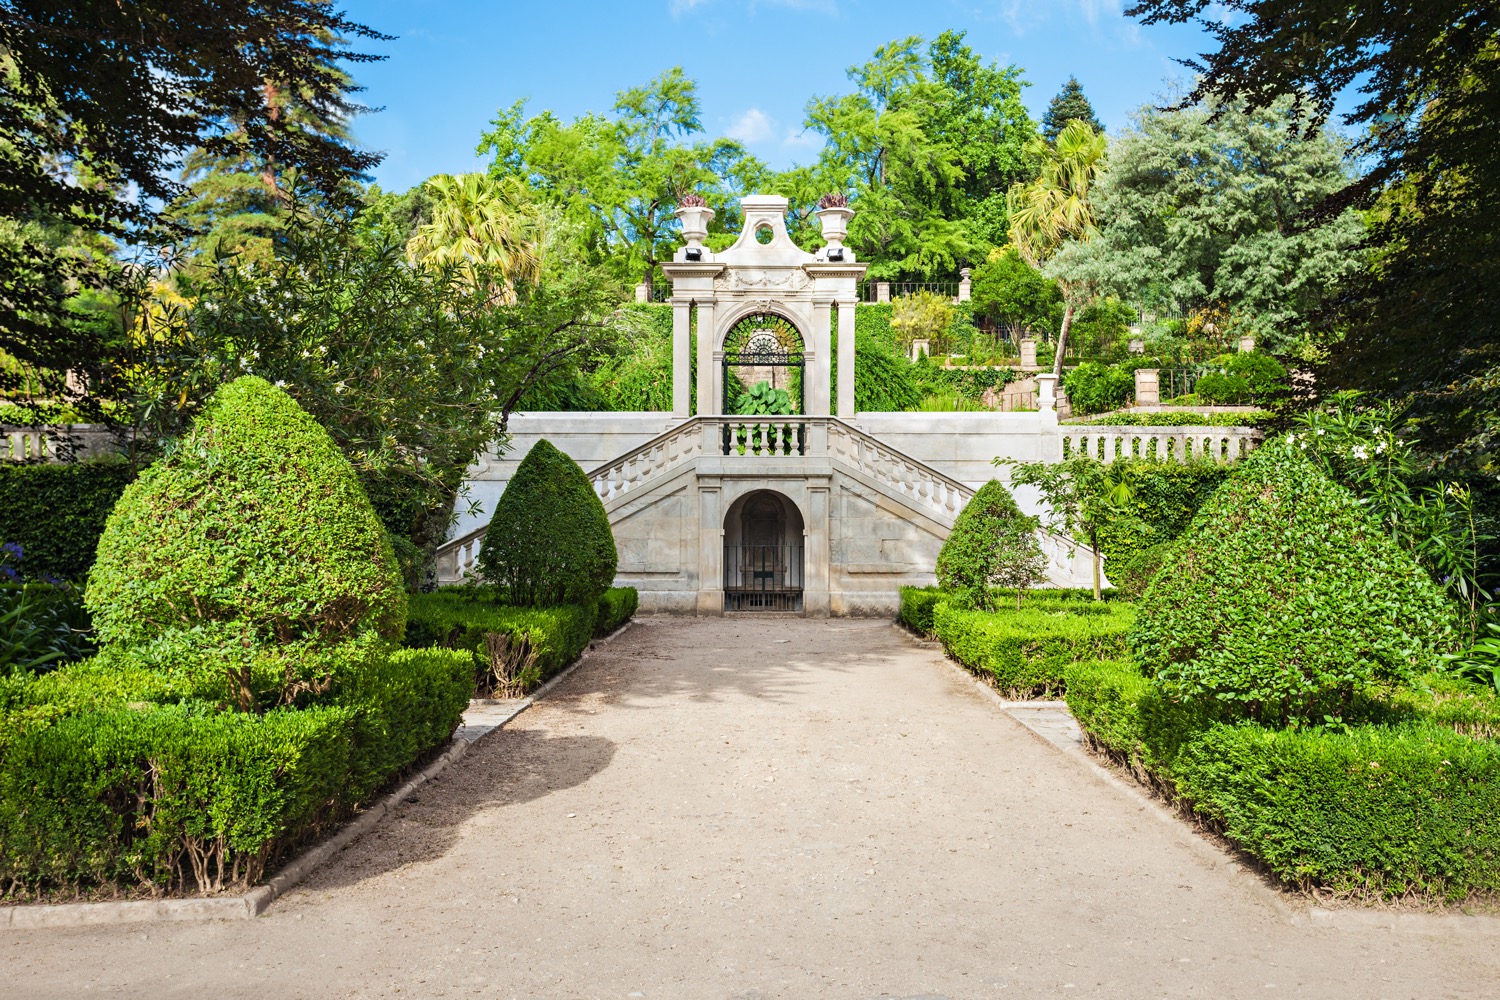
255,525
992,544
1283,599
549,541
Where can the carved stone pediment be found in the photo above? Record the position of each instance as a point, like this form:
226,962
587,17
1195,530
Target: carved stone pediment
767,279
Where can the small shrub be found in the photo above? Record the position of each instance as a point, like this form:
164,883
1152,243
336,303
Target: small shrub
1283,599
1104,696
549,542
255,525
1028,652
1093,387
1373,811
992,544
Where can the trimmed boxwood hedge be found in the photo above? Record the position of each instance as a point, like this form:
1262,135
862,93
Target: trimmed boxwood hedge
56,513
460,617
120,777
1026,652
1376,810
616,607
1410,805
917,606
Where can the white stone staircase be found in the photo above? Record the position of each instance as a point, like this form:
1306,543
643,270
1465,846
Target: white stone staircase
811,444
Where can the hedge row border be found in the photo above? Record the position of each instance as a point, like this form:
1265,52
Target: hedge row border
249,905
1215,853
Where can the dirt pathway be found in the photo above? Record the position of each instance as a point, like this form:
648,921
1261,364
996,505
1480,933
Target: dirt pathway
757,808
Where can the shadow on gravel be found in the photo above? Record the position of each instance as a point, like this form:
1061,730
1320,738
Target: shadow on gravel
764,657
508,767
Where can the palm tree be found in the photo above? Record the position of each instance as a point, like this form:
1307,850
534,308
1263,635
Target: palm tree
1054,210
485,228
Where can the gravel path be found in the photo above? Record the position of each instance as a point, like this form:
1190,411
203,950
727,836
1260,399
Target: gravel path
757,808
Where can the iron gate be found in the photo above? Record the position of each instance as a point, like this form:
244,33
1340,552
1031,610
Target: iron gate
762,577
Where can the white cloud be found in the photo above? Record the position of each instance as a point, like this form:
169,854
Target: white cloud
681,7
801,138
1022,15
751,127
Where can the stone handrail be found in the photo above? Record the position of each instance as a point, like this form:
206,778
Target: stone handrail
664,452
55,443
1160,444
913,480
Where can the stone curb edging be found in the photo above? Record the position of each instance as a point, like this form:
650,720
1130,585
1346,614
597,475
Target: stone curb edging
1305,914
248,905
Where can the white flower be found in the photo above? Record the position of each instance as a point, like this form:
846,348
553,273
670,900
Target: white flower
1291,439
1320,432
1380,448
1360,452
281,383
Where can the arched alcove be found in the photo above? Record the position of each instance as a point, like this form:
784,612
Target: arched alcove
763,553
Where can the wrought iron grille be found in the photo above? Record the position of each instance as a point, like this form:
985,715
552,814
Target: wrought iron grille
762,577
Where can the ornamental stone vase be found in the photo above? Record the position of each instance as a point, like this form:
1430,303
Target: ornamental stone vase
835,222
695,220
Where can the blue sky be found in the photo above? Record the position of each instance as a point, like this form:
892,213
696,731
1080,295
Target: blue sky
756,62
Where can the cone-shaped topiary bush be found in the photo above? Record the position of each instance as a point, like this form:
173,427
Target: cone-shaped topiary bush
549,541
255,526
1283,599
992,544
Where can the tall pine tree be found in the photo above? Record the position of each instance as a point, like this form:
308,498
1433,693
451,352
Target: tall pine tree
1070,103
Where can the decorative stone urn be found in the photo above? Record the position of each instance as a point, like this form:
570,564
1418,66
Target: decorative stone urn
835,223
695,220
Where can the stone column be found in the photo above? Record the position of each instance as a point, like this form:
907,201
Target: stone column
816,554
819,401
682,368
708,401
710,548
1147,387
643,292
1028,353
965,286
882,291
846,359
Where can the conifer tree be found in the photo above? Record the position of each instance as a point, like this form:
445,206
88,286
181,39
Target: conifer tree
1069,104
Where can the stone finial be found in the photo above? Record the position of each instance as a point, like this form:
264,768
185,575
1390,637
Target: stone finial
695,215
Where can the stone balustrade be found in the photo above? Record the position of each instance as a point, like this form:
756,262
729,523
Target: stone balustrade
1160,444
660,454
64,442
913,480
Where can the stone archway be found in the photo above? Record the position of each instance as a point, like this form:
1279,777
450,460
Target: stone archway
764,557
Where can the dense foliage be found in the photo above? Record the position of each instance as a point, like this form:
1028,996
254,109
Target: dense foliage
1284,599
254,530
1026,653
56,513
549,541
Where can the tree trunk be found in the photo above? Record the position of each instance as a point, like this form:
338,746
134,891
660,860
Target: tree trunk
1094,544
1062,344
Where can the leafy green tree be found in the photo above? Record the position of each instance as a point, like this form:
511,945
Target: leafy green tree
1421,86
1202,205
102,99
1070,104
624,174
1085,498
922,315
1014,296
1054,214
922,147
992,544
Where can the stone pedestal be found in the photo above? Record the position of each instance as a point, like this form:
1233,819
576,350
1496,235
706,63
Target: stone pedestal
882,291
1247,344
920,347
965,286
1147,387
1046,392
1028,353
643,293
